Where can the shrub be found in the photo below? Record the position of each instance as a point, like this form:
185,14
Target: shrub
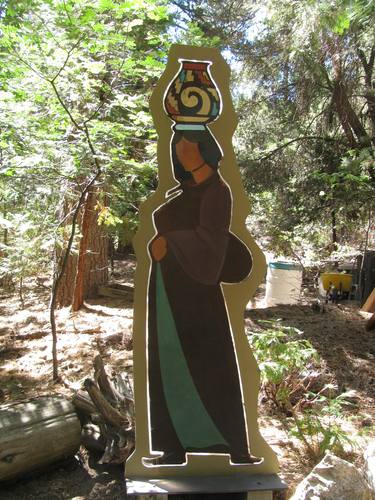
283,363
287,365
318,427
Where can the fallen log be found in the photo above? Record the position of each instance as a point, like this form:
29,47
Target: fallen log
116,291
36,433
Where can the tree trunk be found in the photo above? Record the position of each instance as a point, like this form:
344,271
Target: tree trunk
36,433
65,292
334,231
89,269
66,285
98,272
92,265
348,117
351,124
368,67
87,220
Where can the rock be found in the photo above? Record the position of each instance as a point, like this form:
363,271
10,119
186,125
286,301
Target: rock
333,479
369,456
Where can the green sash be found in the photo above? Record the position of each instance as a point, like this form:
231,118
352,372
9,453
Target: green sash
192,423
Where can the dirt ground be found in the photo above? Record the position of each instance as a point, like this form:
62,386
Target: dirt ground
104,325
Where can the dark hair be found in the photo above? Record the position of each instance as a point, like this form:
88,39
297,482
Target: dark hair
207,146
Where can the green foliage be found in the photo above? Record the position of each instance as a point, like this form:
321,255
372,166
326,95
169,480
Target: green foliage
106,217
77,70
286,364
74,93
195,36
294,144
25,250
320,429
283,361
214,22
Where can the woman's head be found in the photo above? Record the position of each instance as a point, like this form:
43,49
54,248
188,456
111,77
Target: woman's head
202,149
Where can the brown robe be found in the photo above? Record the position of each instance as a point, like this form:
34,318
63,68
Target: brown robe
196,226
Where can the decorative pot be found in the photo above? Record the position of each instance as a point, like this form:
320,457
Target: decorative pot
192,98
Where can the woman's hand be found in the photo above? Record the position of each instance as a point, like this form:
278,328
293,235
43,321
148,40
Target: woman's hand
159,248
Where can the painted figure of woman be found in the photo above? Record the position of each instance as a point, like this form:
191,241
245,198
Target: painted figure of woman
195,397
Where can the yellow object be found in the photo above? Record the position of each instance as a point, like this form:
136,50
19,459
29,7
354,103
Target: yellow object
336,279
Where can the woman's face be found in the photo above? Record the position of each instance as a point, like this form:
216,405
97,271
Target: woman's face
188,155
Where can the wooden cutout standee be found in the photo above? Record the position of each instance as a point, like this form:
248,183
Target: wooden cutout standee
196,381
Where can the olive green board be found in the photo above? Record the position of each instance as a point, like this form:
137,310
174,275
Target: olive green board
236,295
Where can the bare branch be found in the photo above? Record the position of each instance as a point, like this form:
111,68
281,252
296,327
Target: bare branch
296,139
67,13
69,53
26,63
47,28
67,111
111,85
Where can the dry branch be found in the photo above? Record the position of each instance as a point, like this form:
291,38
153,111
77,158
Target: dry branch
108,414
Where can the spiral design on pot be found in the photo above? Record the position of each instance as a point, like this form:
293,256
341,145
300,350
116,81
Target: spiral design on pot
195,101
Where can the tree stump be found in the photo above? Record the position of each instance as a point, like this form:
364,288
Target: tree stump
36,433
107,414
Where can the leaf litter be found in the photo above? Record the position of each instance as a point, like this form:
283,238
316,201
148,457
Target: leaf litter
104,326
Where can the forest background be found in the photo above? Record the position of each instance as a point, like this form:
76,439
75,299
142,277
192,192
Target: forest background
78,157
78,146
